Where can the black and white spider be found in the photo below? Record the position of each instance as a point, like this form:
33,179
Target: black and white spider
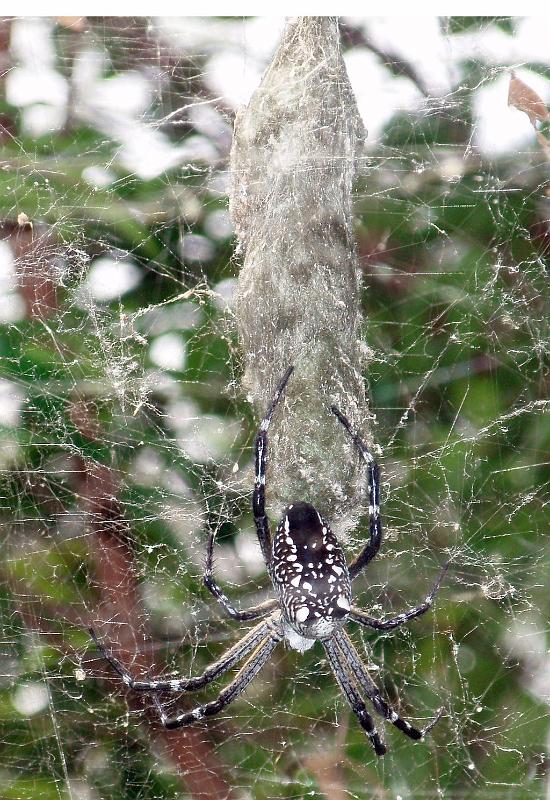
312,582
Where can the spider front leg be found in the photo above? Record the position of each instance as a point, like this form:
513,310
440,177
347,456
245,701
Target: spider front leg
237,686
258,497
231,657
358,615
349,688
356,666
375,523
211,584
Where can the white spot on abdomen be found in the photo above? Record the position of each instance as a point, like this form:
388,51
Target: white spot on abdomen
343,603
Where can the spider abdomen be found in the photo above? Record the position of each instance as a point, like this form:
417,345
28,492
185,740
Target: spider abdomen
310,573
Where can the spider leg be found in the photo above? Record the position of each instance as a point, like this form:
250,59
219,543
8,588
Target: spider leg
239,650
358,669
211,584
237,686
375,523
258,497
349,688
358,615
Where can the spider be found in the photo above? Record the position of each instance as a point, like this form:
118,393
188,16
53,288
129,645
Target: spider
312,582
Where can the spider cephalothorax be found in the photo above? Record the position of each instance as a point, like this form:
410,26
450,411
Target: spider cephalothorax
312,581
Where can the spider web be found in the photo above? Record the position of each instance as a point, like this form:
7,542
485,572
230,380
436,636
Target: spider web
125,437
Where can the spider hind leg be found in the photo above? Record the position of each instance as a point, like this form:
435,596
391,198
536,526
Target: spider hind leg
261,457
372,547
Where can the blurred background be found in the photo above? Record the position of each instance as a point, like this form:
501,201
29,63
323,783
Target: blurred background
125,437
